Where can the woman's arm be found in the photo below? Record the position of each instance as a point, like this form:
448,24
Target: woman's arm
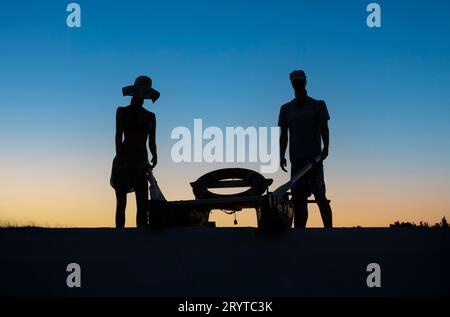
152,140
119,130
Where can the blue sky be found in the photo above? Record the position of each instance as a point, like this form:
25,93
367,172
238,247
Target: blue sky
228,63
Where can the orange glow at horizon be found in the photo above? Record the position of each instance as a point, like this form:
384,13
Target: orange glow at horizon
70,195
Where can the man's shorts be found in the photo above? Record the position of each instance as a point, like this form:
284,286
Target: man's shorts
311,183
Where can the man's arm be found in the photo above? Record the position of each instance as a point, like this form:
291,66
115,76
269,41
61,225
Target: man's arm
119,130
283,147
283,124
152,141
325,133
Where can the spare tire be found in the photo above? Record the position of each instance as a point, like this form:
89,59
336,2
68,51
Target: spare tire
257,183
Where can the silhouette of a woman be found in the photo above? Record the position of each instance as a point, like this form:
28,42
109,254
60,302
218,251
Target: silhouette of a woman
131,164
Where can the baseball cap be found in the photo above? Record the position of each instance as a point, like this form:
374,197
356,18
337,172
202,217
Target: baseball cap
297,74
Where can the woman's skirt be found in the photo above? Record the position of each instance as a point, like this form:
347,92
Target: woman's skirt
127,174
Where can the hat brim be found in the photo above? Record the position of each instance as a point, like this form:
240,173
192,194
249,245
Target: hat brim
143,92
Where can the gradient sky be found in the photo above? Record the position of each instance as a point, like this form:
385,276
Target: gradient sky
226,62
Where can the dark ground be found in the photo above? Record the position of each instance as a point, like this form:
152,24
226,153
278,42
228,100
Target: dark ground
224,262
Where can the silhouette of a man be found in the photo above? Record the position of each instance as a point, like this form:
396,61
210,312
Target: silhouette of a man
135,125
306,121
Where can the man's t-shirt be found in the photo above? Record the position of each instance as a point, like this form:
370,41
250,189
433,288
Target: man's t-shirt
302,116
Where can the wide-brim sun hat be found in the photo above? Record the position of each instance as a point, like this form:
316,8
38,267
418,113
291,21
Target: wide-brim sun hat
142,88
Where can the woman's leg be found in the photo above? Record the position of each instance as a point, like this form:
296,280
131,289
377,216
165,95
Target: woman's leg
121,199
141,192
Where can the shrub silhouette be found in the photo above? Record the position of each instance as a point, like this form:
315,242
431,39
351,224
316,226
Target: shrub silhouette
422,224
444,223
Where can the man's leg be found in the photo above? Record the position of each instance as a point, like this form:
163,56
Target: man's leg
121,200
300,211
325,211
141,192
319,190
299,198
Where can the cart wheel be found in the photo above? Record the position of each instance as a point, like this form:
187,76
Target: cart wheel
216,179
